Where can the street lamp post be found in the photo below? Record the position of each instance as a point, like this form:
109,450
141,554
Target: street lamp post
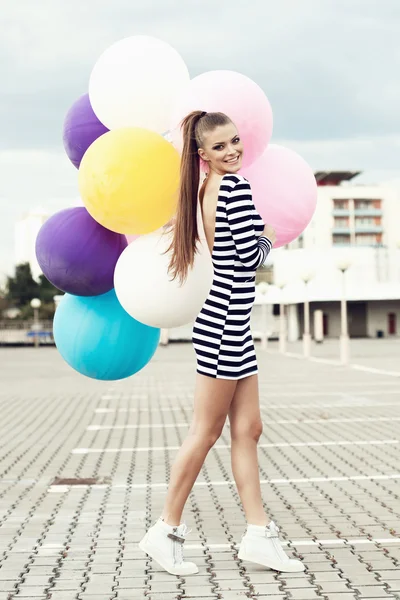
263,289
343,265
307,276
282,320
57,299
164,337
36,304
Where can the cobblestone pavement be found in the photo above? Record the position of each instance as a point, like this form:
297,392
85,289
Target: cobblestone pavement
329,466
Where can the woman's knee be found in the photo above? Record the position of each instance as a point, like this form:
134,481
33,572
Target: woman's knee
206,435
252,430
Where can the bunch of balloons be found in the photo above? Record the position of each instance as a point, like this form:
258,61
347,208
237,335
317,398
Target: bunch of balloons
108,256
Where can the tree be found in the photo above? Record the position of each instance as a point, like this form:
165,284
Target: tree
21,288
47,290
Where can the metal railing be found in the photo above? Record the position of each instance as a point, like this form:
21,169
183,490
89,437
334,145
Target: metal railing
23,332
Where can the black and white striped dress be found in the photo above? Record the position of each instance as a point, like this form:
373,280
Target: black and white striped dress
221,336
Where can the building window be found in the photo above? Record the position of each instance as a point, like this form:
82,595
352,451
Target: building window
368,239
342,222
340,204
358,204
341,240
367,203
365,221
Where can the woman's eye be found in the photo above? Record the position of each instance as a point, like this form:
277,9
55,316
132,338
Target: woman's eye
236,140
218,148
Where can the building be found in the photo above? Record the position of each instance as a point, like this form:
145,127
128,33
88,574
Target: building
26,230
357,224
353,223
351,215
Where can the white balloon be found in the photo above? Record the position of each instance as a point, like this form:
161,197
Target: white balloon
146,290
136,82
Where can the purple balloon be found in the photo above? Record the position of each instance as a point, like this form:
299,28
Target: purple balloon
77,254
81,129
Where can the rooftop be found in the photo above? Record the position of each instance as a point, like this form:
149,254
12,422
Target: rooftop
334,177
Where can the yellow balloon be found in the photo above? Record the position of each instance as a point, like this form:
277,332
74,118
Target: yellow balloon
129,179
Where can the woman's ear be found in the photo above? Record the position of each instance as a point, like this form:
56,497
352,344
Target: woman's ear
202,154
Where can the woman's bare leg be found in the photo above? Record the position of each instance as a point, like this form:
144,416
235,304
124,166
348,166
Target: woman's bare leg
246,428
211,405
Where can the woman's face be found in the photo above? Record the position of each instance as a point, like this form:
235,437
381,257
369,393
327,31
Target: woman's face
223,149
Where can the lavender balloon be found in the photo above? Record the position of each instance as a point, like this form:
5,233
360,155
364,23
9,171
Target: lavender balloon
77,254
81,129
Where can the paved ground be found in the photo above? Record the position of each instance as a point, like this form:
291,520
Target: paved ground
329,466
383,354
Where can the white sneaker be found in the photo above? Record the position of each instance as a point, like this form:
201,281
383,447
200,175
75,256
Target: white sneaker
164,544
261,545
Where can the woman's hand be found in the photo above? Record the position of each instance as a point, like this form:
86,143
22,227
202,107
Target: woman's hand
269,232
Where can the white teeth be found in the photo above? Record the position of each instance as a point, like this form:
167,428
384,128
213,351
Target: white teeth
232,160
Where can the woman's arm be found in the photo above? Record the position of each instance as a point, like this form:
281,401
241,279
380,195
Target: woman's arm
252,251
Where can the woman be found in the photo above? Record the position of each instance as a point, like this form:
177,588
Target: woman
227,381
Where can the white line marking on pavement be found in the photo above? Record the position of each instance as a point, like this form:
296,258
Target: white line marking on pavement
357,403
336,420
374,370
147,425
329,361
125,410
267,422
334,541
222,446
64,488
273,481
124,397
352,402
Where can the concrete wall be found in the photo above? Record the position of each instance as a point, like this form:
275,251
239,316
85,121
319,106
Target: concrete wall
364,318
331,309
378,316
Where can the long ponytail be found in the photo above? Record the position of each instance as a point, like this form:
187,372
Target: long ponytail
185,232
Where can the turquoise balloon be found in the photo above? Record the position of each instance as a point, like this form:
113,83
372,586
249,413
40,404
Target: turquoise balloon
97,338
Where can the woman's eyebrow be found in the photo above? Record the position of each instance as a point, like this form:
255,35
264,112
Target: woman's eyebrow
219,143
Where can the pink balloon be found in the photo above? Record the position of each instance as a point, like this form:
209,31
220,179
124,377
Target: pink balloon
131,238
235,95
284,191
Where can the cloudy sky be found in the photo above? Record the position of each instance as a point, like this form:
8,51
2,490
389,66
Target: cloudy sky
330,68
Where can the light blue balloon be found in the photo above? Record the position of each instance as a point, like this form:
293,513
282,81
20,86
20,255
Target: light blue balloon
97,338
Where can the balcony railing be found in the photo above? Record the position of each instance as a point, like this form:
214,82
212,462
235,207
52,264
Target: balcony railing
368,212
341,212
368,229
341,230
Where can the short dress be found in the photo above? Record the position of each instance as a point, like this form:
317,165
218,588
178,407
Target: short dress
221,336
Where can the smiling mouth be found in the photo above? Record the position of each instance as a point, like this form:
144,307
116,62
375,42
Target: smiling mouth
233,160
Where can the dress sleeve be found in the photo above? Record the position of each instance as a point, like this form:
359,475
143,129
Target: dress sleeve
251,250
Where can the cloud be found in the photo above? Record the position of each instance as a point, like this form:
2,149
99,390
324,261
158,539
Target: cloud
329,69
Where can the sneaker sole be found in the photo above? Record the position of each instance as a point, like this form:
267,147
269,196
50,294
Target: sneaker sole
174,571
297,567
